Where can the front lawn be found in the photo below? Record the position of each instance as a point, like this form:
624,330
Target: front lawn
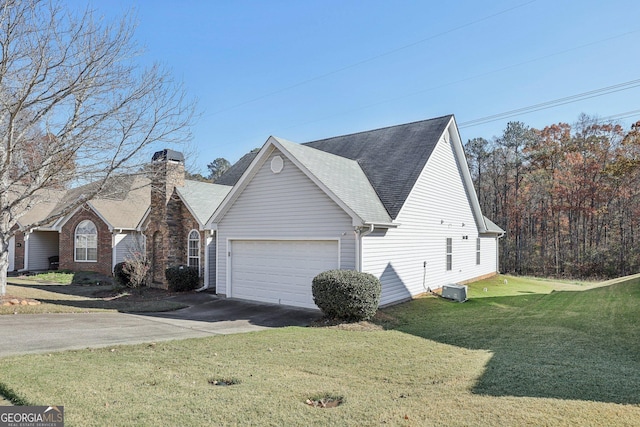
562,358
79,293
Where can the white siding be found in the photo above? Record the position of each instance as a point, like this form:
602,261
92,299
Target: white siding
42,245
437,208
126,243
287,205
12,253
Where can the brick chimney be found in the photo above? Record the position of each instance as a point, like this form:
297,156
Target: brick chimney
167,169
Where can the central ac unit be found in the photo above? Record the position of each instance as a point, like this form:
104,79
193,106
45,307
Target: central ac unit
455,292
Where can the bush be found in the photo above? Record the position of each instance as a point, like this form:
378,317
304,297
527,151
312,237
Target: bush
120,275
347,294
182,278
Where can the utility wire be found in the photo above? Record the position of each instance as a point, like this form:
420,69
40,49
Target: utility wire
553,103
465,79
370,59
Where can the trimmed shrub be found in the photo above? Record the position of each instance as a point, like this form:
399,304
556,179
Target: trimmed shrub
120,275
347,294
182,278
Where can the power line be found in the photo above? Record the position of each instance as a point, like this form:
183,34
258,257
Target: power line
553,103
465,79
370,59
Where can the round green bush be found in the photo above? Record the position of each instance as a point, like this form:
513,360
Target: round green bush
120,275
182,278
347,294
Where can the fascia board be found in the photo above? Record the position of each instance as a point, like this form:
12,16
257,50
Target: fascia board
357,221
237,189
143,219
190,209
60,222
111,228
454,134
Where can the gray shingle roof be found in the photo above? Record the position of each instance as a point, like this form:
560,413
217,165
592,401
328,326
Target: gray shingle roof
202,198
492,227
342,177
391,158
233,174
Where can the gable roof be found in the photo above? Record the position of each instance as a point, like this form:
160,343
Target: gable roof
233,174
342,177
391,158
202,198
492,227
122,203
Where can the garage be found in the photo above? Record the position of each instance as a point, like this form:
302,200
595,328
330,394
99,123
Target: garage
279,271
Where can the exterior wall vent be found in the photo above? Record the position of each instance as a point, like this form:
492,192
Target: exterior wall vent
455,292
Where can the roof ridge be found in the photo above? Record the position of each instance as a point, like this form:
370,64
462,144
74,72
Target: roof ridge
378,129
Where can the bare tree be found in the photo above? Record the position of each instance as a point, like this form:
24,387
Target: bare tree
74,99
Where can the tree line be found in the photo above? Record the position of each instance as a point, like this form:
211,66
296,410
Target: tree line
568,197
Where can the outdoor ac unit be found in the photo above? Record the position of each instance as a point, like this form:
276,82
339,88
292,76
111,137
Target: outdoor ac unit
455,292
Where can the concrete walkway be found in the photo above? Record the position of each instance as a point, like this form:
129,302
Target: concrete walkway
206,315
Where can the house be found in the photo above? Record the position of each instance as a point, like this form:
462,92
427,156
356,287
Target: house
93,237
159,213
396,202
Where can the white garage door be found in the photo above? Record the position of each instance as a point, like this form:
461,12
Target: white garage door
279,271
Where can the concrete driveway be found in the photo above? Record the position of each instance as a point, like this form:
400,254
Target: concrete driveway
206,315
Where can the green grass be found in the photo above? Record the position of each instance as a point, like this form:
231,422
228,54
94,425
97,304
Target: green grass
558,358
81,298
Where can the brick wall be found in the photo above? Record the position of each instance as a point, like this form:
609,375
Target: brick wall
19,253
67,244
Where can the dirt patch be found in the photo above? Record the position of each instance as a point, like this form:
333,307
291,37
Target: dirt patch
346,325
379,322
327,401
223,381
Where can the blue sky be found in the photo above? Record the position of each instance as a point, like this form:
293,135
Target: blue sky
306,70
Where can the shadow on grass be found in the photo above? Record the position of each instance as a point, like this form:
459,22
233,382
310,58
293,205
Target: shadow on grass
98,297
152,302
564,345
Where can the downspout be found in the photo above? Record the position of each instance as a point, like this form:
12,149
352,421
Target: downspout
208,241
359,235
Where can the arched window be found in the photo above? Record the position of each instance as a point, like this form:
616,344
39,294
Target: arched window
86,241
194,250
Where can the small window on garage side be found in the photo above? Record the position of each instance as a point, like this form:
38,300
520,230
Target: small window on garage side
194,250
86,242
449,253
478,251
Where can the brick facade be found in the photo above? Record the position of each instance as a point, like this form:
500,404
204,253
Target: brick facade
18,263
103,265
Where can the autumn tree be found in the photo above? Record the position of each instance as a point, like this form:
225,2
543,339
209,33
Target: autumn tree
75,107
567,195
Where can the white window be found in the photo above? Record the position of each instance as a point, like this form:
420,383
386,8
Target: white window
449,253
478,251
86,242
194,250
